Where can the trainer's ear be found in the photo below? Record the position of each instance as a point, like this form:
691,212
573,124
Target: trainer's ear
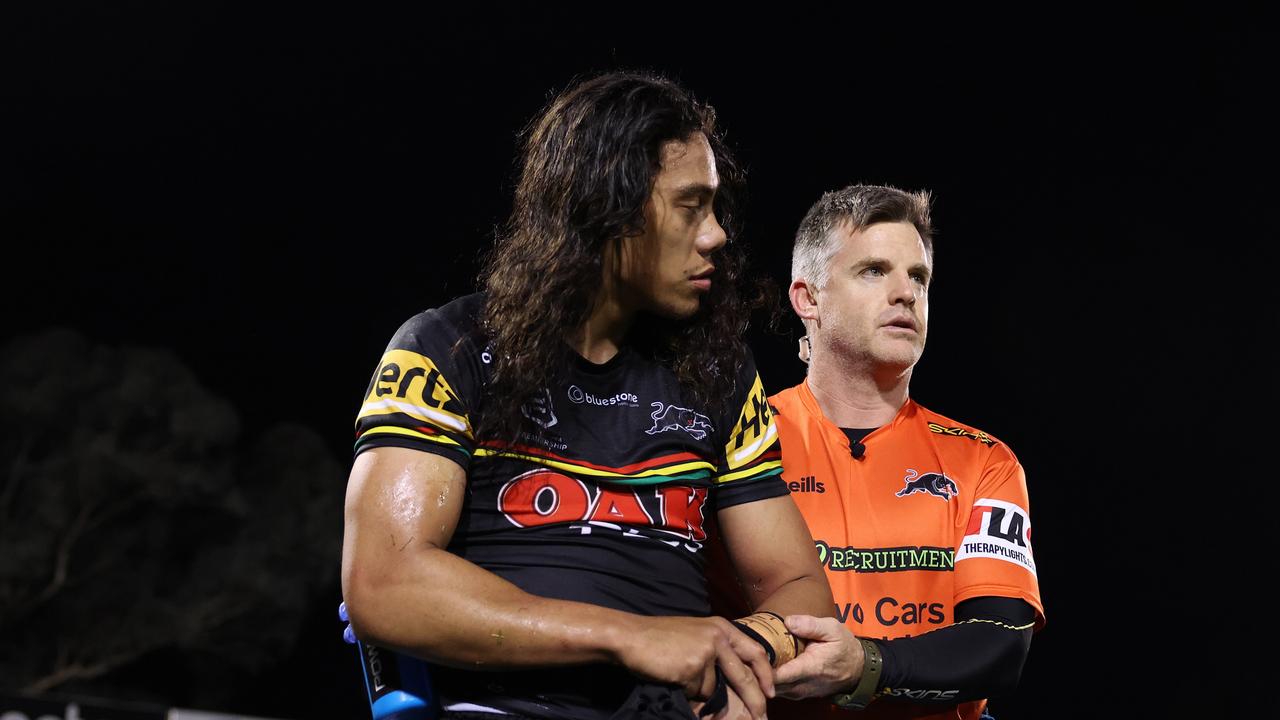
804,299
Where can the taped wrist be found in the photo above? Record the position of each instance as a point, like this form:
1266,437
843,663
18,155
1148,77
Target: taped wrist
771,632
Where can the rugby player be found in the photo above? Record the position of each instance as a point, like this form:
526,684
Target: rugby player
538,464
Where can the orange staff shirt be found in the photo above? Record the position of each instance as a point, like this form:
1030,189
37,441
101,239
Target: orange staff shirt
933,513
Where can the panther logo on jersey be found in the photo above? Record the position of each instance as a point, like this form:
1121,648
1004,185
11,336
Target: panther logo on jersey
669,417
935,484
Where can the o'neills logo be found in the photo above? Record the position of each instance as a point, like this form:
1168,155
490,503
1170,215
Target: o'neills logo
582,397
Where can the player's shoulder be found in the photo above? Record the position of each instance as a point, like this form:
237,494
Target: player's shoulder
968,439
457,318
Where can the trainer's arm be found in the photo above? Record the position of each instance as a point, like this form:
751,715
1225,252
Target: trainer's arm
405,591
772,551
978,656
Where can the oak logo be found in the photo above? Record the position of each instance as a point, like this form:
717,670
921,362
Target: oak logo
543,497
999,530
411,384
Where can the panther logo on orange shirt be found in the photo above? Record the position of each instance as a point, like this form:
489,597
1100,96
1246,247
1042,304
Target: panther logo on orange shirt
935,484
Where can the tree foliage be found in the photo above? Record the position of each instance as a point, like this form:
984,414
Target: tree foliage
135,518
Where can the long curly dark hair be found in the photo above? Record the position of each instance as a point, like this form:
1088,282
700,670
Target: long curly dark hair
587,168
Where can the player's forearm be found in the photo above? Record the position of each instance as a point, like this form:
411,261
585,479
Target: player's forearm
444,609
772,553
804,595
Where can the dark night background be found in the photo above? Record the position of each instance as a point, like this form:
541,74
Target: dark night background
267,193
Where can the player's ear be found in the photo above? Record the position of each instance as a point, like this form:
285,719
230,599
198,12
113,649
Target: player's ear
804,299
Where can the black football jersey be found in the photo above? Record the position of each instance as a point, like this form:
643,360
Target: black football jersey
603,499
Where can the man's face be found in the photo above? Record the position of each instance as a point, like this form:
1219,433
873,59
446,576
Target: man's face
666,269
874,310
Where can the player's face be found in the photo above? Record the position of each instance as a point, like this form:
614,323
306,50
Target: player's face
666,269
874,309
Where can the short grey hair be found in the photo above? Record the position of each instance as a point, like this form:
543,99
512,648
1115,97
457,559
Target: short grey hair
858,206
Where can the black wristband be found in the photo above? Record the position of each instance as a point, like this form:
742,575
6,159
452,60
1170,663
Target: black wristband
865,692
749,632
719,696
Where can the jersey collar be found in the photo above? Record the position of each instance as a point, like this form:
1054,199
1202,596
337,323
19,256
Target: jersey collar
810,403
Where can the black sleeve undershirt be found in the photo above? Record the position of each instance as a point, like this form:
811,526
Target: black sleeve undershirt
979,656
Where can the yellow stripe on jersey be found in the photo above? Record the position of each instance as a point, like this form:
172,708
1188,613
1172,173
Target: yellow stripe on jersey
681,468
754,431
410,384
407,432
764,468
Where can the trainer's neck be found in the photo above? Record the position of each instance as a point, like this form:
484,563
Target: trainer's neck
853,395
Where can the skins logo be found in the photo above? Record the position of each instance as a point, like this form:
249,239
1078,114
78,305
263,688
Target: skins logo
978,435
669,417
935,484
543,497
921,694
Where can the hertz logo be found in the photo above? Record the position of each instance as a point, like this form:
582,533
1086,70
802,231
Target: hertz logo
411,384
754,430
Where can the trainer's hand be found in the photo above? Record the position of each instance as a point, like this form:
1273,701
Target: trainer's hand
831,661
684,651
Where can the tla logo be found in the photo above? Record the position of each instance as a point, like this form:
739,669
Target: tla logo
935,484
999,530
808,483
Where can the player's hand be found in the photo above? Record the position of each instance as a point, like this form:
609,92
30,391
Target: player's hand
348,634
684,651
831,661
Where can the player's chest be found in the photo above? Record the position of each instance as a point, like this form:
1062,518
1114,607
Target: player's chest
619,419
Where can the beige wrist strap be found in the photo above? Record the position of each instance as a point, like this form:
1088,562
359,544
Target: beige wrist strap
769,630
